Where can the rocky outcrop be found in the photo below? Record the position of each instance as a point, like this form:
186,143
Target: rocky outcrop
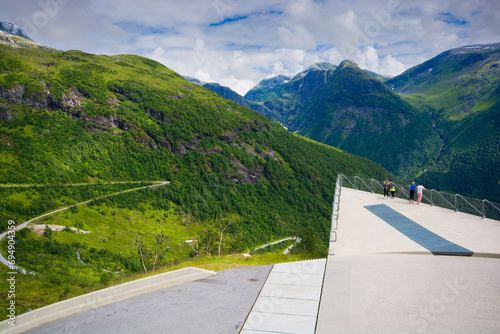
6,116
72,98
179,96
13,95
244,174
109,121
17,95
183,147
155,114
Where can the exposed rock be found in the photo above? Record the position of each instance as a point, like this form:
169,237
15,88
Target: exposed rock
113,101
6,116
109,121
12,95
149,143
13,29
245,174
213,150
72,98
183,148
35,101
176,97
165,143
271,154
155,114
228,137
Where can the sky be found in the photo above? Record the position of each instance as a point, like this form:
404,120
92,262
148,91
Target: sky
238,43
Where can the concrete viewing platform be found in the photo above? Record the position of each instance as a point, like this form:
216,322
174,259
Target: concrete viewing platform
385,278
394,268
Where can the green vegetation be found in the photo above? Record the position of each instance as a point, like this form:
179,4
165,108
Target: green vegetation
437,122
460,88
346,107
237,179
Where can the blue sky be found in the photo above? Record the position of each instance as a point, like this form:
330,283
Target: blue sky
237,43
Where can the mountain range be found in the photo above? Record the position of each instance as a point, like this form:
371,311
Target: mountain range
436,122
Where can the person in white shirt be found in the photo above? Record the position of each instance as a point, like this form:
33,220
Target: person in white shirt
420,192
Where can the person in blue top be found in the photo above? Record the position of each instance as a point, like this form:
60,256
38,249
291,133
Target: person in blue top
412,191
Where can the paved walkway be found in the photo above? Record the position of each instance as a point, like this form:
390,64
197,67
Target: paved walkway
380,279
289,301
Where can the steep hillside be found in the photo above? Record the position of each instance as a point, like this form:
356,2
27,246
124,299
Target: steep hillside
348,108
455,83
460,89
470,161
71,117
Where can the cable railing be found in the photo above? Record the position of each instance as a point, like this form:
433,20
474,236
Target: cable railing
457,202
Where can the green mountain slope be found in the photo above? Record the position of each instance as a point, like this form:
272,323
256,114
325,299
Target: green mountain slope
346,107
455,83
357,113
460,89
71,117
470,162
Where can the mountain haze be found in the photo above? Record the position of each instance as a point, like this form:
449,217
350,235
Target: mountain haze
230,94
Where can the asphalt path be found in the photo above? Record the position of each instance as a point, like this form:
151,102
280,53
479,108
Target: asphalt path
218,305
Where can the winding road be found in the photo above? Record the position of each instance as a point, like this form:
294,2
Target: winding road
279,241
14,267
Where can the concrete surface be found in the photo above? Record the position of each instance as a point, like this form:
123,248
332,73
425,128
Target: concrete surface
381,281
361,232
289,301
102,297
216,304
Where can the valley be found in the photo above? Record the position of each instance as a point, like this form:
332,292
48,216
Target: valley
437,122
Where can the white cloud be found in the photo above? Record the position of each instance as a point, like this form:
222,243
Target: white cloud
238,43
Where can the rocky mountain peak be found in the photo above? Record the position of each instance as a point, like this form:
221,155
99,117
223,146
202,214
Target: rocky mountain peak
13,29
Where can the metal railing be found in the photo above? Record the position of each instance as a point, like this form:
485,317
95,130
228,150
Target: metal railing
335,214
457,202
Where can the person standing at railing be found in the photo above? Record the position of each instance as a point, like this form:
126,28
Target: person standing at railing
420,192
412,191
386,189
